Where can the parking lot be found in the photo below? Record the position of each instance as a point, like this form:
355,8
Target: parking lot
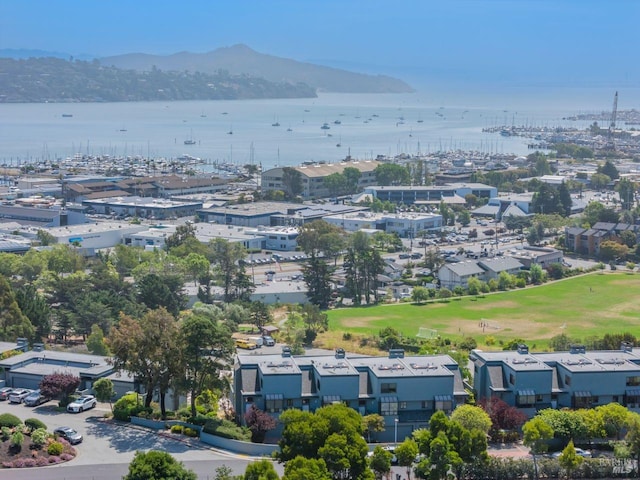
108,447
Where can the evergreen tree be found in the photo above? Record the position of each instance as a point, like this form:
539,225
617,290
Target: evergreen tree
13,323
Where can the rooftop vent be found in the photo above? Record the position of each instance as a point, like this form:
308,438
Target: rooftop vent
577,349
38,347
523,349
396,353
626,347
340,353
286,351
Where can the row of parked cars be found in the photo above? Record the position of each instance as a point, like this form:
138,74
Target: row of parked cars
33,398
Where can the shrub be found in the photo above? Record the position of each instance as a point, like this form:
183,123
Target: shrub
66,457
16,440
29,462
122,409
34,424
39,437
9,420
6,433
190,432
227,429
54,459
55,448
42,461
177,429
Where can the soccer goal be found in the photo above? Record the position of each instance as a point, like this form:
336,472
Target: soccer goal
424,332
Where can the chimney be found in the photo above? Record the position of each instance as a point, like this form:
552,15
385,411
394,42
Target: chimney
286,351
577,349
396,353
523,349
340,353
38,347
626,347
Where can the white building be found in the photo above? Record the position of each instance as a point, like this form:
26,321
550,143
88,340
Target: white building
277,238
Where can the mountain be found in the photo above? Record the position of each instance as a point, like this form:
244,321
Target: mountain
52,79
242,60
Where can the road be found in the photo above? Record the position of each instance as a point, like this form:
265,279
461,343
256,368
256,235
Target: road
109,447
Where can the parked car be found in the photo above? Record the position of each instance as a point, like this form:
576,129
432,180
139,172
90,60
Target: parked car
69,434
4,393
268,340
35,398
18,395
85,402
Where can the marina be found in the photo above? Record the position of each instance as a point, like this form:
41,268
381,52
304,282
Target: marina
241,132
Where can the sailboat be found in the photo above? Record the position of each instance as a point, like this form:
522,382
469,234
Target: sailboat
190,140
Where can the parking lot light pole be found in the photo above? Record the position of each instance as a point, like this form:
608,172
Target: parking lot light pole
395,435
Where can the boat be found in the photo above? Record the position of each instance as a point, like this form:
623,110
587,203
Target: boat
275,124
337,122
67,115
325,126
190,140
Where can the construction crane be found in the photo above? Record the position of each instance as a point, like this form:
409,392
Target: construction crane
611,144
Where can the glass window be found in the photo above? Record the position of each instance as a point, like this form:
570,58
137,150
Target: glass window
633,381
444,405
274,403
388,388
526,400
388,406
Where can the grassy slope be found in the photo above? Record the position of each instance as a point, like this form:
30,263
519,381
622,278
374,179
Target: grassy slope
581,306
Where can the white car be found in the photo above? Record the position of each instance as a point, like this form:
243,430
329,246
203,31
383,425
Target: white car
81,404
18,395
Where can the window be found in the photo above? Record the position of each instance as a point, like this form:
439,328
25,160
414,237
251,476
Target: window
444,403
388,388
567,380
425,405
633,381
362,403
403,405
274,403
539,398
388,406
526,398
512,379
289,402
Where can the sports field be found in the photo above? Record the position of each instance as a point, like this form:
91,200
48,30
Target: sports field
580,307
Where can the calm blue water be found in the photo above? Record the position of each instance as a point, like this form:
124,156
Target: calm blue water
369,125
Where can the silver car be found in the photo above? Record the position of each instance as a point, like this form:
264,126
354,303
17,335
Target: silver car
18,395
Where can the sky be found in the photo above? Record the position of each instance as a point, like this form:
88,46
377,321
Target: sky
550,42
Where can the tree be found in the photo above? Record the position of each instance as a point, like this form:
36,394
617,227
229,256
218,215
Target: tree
380,462
182,233
197,265
464,217
162,291
35,307
206,346
612,250
259,423
392,174
13,323
104,390
372,423
149,349
317,275
503,416
59,386
419,294
228,259
633,435
615,418
96,342
470,417
260,314
565,199
569,459
260,470
626,190
536,432
599,180
45,238
156,465
609,169
352,179
336,183
291,182
536,274
224,472
314,320
362,265
301,468
406,453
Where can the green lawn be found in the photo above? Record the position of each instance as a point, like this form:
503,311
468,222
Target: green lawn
580,307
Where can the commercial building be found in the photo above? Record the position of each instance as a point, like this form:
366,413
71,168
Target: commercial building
406,224
406,391
313,175
249,214
143,207
575,379
449,193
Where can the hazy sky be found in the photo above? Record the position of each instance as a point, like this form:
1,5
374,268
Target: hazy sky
582,41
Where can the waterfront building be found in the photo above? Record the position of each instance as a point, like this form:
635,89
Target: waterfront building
313,176
425,195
